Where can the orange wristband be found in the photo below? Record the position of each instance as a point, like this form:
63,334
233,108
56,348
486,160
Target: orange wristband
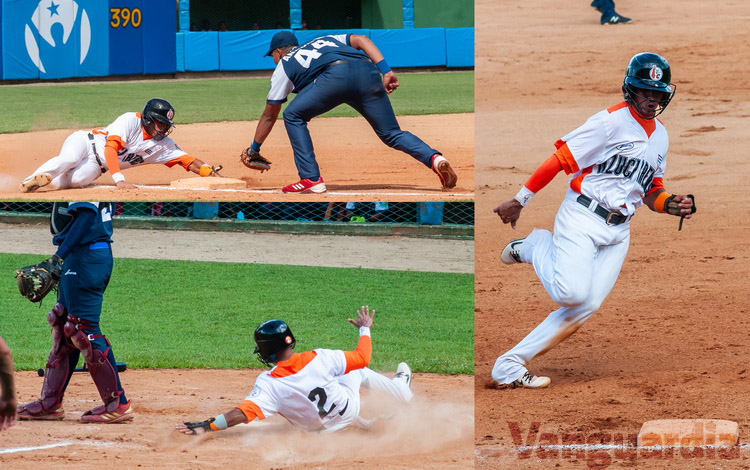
659,202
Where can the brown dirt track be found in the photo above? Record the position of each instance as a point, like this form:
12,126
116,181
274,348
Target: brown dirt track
354,163
671,340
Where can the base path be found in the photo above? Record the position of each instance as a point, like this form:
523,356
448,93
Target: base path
670,342
434,430
354,163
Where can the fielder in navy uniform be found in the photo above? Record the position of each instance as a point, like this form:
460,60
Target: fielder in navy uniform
324,73
82,231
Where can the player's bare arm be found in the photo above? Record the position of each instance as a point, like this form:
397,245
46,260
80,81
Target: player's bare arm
509,211
202,168
365,44
231,418
266,122
364,317
8,397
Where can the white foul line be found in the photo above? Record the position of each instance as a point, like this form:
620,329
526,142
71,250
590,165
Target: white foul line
276,191
13,450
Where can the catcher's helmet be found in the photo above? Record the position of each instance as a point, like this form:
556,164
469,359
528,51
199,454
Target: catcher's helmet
271,338
158,109
648,71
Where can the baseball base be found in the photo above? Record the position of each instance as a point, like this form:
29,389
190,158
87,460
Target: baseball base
209,182
688,433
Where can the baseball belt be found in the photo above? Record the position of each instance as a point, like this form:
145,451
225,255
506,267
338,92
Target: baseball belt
344,61
96,154
611,218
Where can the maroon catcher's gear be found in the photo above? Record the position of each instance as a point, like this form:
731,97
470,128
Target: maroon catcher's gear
101,370
49,405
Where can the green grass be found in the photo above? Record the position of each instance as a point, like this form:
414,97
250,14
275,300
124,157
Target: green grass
82,105
184,314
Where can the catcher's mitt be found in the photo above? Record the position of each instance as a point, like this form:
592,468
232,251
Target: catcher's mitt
254,160
35,281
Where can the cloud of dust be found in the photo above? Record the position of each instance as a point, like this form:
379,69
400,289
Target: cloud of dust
419,427
8,183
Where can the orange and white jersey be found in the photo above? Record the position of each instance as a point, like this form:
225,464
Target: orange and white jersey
307,391
615,157
136,147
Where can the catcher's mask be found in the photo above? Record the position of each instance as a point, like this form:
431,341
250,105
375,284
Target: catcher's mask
158,110
648,71
271,338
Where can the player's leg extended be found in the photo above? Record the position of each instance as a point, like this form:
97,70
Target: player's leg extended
60,364
73,152
398,387
81,175
85,288
324,94
373,104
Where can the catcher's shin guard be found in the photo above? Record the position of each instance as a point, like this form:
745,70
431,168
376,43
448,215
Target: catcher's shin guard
49,405
102,371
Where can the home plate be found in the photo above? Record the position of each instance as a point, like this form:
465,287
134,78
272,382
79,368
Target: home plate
689,433
209,182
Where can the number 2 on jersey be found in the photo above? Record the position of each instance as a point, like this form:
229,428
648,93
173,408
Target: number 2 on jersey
305,56
320,394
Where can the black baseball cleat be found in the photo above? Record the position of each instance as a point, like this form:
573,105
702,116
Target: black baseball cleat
617,19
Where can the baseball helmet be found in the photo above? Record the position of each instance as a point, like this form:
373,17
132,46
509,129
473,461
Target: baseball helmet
648,71
271,338
158,109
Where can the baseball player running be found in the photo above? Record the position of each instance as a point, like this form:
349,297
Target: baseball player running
316,390
7,387
326,72
83,264
132,139
617,160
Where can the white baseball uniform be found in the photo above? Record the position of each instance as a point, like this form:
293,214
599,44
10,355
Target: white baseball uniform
313,390
615,159
81,159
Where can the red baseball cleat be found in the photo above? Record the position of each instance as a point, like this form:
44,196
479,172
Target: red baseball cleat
114,412
306,186
448,177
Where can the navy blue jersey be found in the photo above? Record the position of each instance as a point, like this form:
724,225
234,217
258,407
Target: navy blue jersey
101,229
300,66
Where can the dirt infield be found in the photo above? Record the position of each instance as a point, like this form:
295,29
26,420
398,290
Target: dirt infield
435,429
355,164
671,340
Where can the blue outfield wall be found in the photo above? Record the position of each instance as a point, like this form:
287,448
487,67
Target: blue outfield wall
47,39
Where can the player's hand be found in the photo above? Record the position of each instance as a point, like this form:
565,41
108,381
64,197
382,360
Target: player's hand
509,211
7,413
186,429
390,82
364,317
126,185
685,204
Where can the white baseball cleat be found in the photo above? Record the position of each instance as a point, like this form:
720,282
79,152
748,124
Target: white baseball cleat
403,372
527,381
34,182
442,168
512,252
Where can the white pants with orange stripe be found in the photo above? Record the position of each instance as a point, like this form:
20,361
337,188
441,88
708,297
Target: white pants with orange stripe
75,167
578,267
367,378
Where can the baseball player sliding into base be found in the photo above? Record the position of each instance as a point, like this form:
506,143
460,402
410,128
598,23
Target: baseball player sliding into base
326,72
132,139
315,390
617,160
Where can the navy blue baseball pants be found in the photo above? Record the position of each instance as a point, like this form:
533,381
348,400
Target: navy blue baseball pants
85,277
358,84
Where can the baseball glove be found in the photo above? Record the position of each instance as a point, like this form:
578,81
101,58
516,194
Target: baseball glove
35,281
254,160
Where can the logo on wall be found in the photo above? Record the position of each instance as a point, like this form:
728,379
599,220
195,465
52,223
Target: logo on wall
49,13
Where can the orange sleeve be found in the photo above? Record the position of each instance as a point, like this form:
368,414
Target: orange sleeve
360,357
184,161
544,174
566,159
656,184
251,410
113,145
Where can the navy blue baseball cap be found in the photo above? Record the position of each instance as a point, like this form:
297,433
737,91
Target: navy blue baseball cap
282,39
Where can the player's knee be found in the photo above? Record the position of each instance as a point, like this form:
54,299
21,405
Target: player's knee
571,296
